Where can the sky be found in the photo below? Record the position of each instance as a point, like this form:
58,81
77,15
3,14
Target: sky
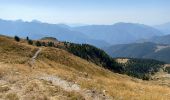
150,12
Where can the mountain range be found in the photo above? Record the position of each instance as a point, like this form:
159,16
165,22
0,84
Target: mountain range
97,35
37,30
119,33
165,39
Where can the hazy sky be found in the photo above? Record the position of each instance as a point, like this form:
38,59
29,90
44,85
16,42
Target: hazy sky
87,11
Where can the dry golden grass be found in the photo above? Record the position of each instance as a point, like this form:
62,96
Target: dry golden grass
116,85
12,96
19,80
14,52
4,88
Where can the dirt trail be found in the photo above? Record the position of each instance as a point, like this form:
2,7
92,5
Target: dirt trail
70,86
67,85
36,54
32,60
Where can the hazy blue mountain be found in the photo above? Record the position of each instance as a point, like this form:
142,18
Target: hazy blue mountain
148,50
165,39
37,30
161,39
119,33
165,28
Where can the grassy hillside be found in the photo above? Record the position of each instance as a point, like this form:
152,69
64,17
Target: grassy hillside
58,74
100,58
14,52
93,54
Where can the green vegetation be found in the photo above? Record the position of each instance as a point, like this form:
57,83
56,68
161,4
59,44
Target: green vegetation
139,68
38,43
56,63
50,44
49,38
17,38
30,42
93,54
42,43
142,68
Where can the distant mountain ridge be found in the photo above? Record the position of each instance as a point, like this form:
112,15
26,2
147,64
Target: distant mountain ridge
165,28
97,35
37,30
119,33
165,39
145,50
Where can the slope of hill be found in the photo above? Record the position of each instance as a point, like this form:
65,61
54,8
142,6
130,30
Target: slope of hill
100,58
119,33
93,54
57,74
165,39
141,50
37,30
140,68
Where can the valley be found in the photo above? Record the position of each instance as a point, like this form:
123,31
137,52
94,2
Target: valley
147,50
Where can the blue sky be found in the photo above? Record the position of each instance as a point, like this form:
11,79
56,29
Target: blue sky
149,12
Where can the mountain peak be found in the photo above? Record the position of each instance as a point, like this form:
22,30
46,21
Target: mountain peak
36,21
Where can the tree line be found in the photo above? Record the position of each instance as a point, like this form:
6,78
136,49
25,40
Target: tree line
36,43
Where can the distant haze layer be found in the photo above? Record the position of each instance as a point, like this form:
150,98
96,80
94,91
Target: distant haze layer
150,12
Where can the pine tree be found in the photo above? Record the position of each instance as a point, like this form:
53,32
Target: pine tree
27,38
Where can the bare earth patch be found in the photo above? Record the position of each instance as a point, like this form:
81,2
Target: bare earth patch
122,60
70,86
159,47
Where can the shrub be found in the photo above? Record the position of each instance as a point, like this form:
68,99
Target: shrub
38,43
50,44
17,38
30,42
43,44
